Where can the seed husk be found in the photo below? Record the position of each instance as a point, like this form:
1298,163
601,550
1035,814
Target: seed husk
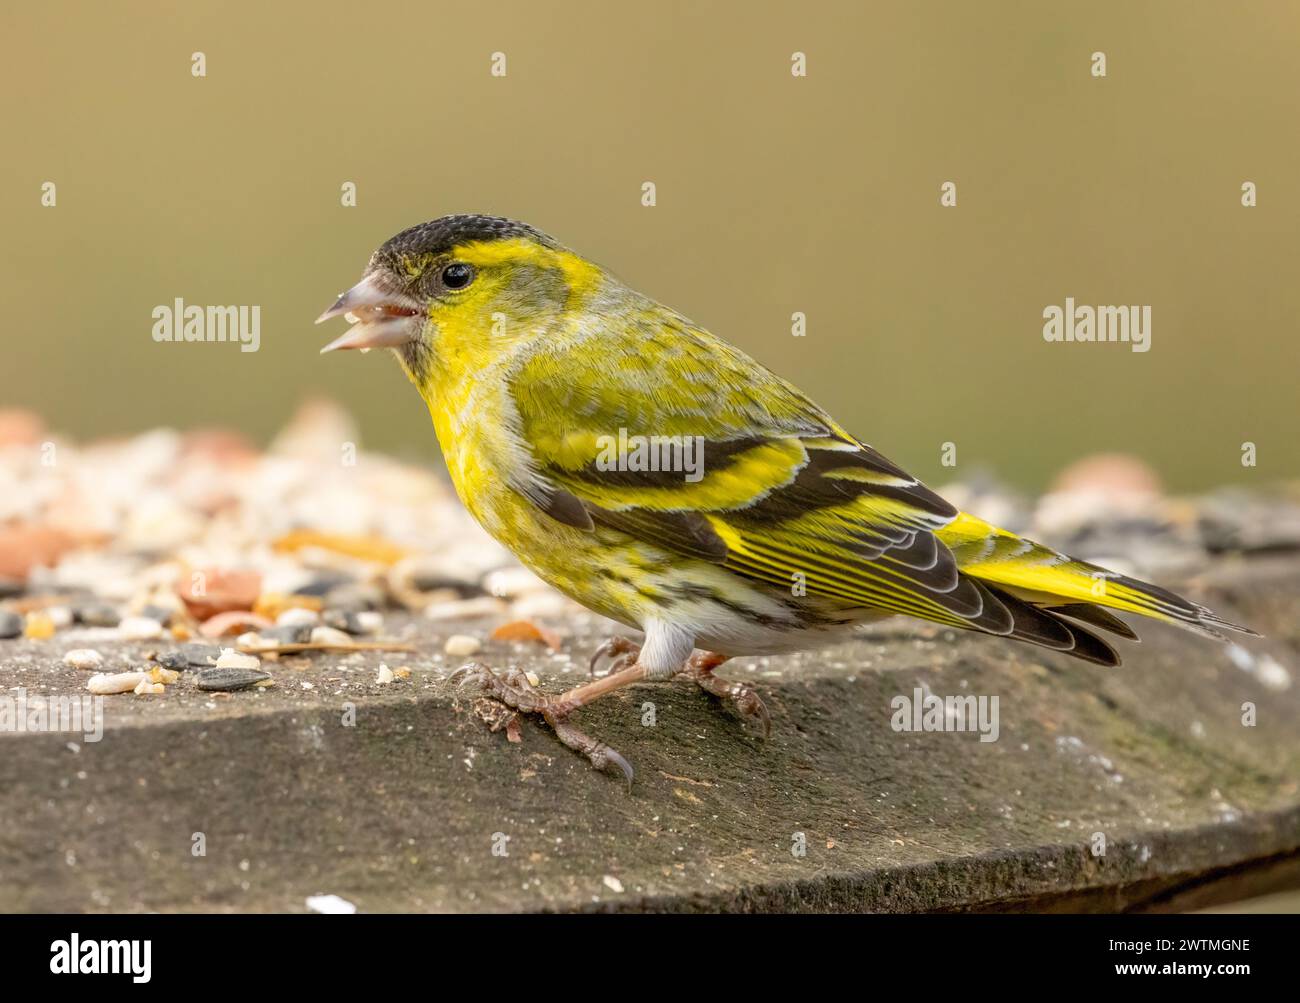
229,679
104,684
190,656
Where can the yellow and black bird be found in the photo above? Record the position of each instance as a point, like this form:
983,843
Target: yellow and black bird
541,371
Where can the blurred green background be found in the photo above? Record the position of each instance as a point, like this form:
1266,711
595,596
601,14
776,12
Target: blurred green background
775,194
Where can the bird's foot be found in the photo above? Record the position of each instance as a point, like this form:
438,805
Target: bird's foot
749,705
622,652
516,691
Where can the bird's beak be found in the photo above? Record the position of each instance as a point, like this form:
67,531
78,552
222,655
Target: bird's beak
381,317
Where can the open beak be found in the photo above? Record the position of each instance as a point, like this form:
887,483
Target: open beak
380,317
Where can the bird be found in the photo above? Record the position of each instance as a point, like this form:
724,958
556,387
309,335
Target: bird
664,479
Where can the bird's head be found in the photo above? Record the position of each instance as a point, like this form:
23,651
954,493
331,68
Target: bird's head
462,285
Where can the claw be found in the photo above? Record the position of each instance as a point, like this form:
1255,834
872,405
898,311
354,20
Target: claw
614,647
748,703
514,677
751,706
514,693
610,756
470,671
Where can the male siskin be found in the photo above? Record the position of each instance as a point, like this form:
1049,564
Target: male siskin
790,531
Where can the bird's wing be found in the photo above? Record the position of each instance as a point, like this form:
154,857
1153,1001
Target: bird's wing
783,495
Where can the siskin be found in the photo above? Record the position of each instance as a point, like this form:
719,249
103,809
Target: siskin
756,524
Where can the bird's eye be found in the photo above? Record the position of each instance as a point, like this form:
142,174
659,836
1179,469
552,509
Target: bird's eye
457,275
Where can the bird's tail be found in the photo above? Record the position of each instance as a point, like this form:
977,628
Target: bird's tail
1051,596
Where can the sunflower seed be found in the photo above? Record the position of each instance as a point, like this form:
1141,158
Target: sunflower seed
190,656
224,679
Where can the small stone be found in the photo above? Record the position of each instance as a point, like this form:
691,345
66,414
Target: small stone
545,605
355,597
385,675
294,633
370,622
60,616
329,635
232,659
11,624
323,583
218,446
465,609
428,574
612,883
162,614
526,630
233,622
83,658
209,591
462,644
298,617
511,583
273,605
39,626
25,547
330,904
139,628
222,679
104,684
97,615
344,620
20,428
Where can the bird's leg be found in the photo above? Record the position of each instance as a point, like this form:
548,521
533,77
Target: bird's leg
748,704
515,691
622,650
